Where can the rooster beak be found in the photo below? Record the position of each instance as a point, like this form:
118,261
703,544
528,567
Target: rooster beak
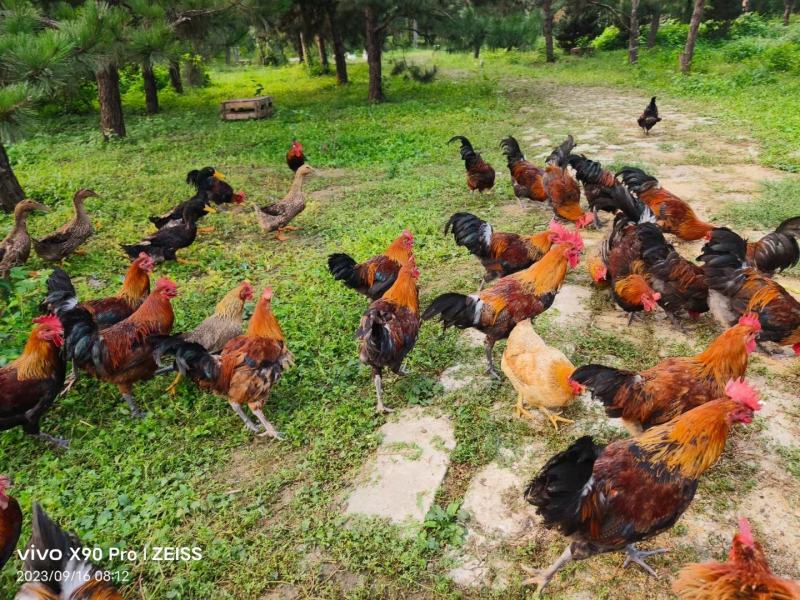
218,175
209,210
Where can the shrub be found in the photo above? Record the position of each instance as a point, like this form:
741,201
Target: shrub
782,57
610,39
742,49
672,34
750,24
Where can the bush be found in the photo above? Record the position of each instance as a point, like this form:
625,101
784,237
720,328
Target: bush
750,24
742,49
610,39
573,30
782,57
672,34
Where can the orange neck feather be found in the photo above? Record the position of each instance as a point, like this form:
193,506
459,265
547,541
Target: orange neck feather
36,359
404,291
398,251
542,241
691,443
263,323
725,358
155,310
632,288
548,274
136,285
561,373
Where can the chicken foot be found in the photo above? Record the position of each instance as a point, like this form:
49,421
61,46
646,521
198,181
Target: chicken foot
173,387
56,442
488,346
541,577
379,407
269,428
554,418
135,410
638,556
245,419
280,235
69,382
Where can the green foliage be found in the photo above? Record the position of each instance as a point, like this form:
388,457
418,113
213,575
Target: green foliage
513,32
443,526
750,24
672,34
610,39
742,49
783,57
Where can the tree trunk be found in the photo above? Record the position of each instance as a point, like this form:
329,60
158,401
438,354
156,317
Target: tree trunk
298,46
476,51
322,51
414,34
691,39
338,45
374,49
175,76
633,38
10,190
304,49
788,7
655,21
547,29
112,121
150,89
745,6
227,55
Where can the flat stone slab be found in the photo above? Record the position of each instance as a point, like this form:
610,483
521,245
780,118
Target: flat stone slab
400,482
457,377
570,305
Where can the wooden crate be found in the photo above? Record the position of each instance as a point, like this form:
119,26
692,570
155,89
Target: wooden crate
246,108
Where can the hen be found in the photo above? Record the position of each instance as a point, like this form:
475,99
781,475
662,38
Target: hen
500,253
10,522
389,328
60,575
295,157
648,119
121,354
66,239
15,249
746,575
675,385
526,178
736,288
277,216
607,499
524,295
247,369
672,214
375,276
561,189
30,384
539,373
480,174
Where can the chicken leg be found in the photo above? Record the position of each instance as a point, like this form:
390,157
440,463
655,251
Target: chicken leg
173,387
541,578
135,410
554,418
245,419
638,556
520,411
269,428
279,233
488,345
379,407
52,440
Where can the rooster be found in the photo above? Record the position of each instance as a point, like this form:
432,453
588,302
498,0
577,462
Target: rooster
775,251
480,174
648,119
221,327
633,294
59,561
539,373
247,369
375,276
608,498
10,522
389,328
526,178
745,575
672,214
295,157
210,186
121,354
524,295
597,269
30,384
736,288
596,182
135,288
500,253
561,188
164,243
675,385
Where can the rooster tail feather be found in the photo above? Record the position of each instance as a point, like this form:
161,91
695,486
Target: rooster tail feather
61,294
454,310
586,170
471,232
619,198
47,537
192,360
654,245
724,242
343,268
560,155
558,489
133,250
637,180
790,226
511,149
603,382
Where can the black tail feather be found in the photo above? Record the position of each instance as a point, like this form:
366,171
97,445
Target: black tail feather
511,149
637,180
343,268
586,170
654,246
560,155
603,382
471,232
557,490
192,360
619,198
47,537
723,242
790,226
453,310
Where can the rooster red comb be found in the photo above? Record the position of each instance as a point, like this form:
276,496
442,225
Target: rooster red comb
750,320
267,293
561,235
739,390
408,235
745,532
165,283
49,321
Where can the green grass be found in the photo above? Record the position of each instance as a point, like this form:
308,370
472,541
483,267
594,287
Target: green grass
189,474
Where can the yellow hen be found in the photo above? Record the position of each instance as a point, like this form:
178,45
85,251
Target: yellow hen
539,373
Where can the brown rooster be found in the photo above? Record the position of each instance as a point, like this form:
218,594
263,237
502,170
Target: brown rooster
607,499
295,157
675,385
122,353
10,522
561,189
375,276
30,384
596,182
59,560
135,288
388,330
633,293
247,369
526,178
648,119
736,288
778,250
673,215
746,575
500,253
480,174
524,295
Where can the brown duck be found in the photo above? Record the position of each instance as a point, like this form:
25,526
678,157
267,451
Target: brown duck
278,215
16,247
66,239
